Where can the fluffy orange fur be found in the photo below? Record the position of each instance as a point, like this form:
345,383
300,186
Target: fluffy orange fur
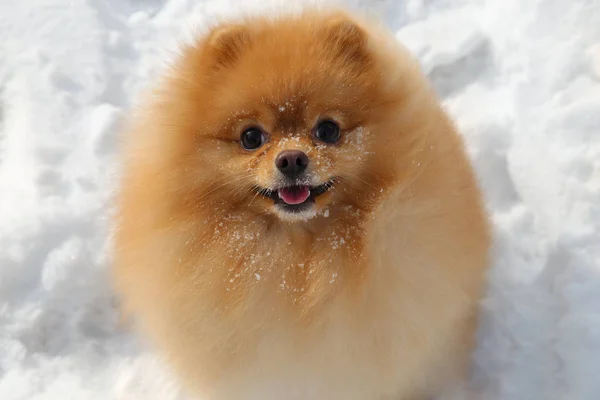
372,296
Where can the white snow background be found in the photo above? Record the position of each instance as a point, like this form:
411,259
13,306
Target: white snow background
521,77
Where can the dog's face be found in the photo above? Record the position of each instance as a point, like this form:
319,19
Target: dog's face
284,115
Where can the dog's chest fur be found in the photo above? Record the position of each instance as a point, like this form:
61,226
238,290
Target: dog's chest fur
296,325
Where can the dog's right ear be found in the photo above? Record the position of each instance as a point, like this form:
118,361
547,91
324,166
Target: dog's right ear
346,38
226,43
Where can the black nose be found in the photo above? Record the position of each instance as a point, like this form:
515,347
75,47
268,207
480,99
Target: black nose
291,163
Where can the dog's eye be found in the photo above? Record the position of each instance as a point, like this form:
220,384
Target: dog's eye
252,138
328,131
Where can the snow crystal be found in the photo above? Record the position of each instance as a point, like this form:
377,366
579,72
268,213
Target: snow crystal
333,276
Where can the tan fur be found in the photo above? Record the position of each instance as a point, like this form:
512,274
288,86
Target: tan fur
373,298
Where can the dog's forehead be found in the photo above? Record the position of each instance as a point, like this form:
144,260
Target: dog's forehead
288,111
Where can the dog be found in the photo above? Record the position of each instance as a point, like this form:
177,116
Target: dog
298,217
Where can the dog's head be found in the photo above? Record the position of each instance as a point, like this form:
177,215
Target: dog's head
285,116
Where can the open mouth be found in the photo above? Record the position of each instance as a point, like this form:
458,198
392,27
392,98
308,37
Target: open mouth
296,198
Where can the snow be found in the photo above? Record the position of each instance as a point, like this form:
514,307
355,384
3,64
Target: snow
521,78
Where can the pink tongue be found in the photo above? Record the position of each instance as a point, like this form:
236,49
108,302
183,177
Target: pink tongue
294,195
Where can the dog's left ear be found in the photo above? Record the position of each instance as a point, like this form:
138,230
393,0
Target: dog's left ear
347,38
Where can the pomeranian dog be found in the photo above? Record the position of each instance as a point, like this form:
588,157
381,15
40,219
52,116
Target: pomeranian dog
298,218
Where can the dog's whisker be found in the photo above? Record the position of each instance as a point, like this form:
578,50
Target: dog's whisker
229,182
254,197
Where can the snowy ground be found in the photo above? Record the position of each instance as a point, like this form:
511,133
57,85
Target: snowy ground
522,78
